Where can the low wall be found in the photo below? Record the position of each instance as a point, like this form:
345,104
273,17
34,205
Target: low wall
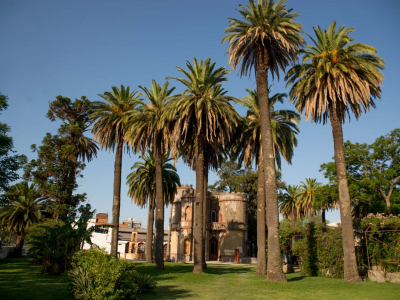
378,275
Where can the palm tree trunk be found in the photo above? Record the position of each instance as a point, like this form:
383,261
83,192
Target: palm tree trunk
116,198
293,228
274,265
198,218
19,244
323,216
261,257
350,264
205,212
149,234
312,215
159,257
169,233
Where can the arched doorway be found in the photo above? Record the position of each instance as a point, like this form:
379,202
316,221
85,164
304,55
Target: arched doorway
213,254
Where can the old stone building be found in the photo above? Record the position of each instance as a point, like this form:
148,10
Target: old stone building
226,225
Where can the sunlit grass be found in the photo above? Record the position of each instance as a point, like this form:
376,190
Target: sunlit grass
21,280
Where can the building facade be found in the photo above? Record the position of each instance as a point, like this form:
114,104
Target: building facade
226,225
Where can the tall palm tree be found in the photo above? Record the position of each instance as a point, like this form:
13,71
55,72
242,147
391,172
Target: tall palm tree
284,129
142,182
288,204
308,191
23,209
203,116
334,78
109,130
149,129
267,38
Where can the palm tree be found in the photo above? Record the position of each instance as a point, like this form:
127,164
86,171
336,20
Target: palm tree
267,38
23,209
149,129
284,129
203,116
334,78
288,205
110,130
141,184
308,191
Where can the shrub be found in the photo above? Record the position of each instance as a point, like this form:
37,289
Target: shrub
321,251
384,256
98,275
144,282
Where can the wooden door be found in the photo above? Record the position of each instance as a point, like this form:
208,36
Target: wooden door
213,254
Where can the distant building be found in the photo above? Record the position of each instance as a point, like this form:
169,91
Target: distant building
131,237
131,223
226,229
226,225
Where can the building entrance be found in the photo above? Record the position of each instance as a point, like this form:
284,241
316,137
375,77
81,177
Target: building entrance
213,254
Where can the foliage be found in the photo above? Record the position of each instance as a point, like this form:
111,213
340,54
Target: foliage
23,209
55,247
39,229
373,173
321,251
387,257
55,171
142,180
9,162
283,126
98,275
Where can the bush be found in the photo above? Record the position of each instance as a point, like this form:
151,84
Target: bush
144,282
98,275
384,256
321,251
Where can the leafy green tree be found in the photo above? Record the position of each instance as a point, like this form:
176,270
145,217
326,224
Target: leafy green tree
55,248
326,198
334,78
267,38
284,129
110,131
9,162
76,121
60,158
373,173
142,182
203,116
54,173
149,129
23,209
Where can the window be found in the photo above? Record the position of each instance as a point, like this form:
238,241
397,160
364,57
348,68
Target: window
188,213
187,246
165,249
214,216
141,248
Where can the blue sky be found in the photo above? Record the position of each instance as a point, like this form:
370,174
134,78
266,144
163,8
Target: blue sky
74,48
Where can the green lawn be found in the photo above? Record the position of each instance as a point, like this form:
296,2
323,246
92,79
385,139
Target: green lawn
21,280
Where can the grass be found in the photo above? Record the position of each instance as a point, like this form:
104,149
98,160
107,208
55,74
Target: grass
235,282
21,280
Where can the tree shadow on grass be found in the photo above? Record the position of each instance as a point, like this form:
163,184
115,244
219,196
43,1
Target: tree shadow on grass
178,268
297,278
167,292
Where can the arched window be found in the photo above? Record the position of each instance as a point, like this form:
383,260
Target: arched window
187,246
141,248
214,216
188,213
